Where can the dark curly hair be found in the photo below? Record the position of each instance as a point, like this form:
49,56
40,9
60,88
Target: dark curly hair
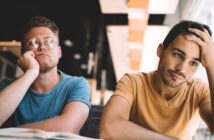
182,28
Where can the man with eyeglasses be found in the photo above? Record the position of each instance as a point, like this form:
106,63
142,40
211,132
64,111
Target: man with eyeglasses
44,97
166,104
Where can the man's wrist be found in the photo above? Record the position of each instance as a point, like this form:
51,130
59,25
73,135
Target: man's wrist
32,73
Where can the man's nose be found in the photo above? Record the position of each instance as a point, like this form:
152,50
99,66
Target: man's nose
182,67
42,46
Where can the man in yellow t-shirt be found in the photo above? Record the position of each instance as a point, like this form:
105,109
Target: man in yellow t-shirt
165,104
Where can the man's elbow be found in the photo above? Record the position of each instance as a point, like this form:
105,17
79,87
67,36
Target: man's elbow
71,128
106,131
212,128
7,123
67,129
103,134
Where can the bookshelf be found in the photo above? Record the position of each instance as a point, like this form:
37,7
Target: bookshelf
9,52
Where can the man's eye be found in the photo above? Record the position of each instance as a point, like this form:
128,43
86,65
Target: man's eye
32,43
193,63
177,55
49,42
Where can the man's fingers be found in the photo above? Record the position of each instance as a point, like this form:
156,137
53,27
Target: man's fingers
204,35
195,39
30,53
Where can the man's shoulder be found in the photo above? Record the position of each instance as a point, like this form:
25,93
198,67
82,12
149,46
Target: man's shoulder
138,75
70,79
5,82
196,82
65,76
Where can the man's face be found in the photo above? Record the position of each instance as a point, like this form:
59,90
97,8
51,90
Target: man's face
43,42
179,61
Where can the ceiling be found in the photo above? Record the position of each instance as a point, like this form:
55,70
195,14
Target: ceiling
83,31
162,16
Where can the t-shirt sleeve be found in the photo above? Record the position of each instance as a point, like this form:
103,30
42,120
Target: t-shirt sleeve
203,92
124,88
4,83
80,91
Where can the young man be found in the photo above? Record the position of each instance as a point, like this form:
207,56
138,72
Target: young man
166,104
44,97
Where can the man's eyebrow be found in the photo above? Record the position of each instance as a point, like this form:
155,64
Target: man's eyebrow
179,50
183,53
47,37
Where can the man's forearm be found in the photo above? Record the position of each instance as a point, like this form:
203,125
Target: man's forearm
11,96
122,129
210,75
71,119
56,124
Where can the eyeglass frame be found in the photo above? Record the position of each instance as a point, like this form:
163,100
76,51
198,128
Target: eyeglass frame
27,44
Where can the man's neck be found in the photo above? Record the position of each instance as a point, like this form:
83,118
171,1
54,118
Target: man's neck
46,81
162,89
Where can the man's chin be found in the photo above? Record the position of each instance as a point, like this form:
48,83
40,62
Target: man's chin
174,85
45,68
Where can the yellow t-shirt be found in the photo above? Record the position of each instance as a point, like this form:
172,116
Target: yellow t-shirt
178,117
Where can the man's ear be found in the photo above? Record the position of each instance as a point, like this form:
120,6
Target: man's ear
22,50
60,51
160,49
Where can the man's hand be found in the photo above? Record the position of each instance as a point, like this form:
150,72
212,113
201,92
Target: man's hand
206,45
28,62
11,96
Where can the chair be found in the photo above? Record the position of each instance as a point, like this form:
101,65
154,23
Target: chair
92,125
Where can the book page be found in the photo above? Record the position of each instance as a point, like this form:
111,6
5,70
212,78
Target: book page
23,133
31,134
67,136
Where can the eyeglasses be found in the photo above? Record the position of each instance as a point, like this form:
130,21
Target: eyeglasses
36,43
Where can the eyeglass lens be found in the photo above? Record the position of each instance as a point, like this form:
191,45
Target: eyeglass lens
35,43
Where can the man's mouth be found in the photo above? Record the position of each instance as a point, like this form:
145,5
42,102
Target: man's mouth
42,54
176,76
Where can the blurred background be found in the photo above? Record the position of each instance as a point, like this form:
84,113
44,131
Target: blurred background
101,39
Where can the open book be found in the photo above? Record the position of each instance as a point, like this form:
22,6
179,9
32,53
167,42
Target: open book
36,134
